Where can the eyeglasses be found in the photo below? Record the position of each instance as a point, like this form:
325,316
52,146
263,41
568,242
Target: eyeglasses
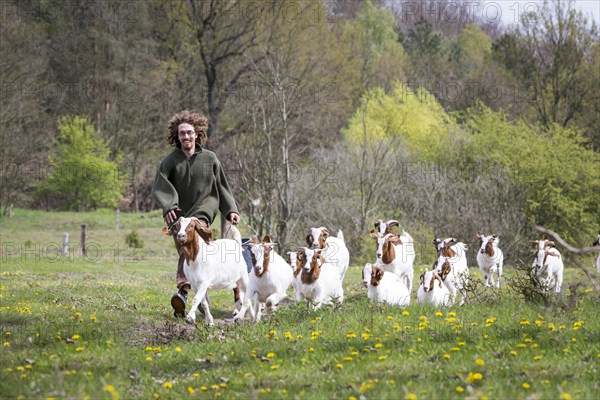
183,133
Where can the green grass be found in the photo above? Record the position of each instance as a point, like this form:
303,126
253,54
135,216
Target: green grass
102,327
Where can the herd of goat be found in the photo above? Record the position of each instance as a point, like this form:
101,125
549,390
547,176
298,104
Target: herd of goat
316,272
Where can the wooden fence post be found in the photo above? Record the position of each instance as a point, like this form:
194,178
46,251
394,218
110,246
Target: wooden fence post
83,249
65,246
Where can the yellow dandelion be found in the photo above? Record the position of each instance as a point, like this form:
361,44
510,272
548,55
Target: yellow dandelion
203,388
446,356
214,387
6,344
274,366
390,317
381,358
565,396
75,337
537,358
148,358
378,345
460,389
521,345
526,386
190,390
455,349
168,385
480,362
271,355
79,348
513,353
339,365
350,335
178,349
439,314
524,322
410,396
347,358
405,312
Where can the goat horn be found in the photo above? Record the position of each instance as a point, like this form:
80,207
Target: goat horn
393,222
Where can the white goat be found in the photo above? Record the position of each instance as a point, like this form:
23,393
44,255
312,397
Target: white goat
333,248
270,278
318,281
397,254
432,292
597,243
385,287
452,266
211,264
490,259
549,261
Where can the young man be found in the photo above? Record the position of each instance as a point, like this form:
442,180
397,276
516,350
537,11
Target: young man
191,182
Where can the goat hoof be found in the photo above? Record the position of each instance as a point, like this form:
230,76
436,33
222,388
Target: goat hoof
190,320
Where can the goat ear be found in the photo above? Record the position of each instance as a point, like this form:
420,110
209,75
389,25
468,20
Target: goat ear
266,239
309,240
374,235
204,233
395,240
377,223
165,230
325,232
446,268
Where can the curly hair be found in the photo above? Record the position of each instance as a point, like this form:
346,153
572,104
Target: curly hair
199,122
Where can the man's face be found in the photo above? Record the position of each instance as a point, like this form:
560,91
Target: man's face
187,136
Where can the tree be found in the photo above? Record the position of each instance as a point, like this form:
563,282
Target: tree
555,166
23,121
549,54
415,117
81,176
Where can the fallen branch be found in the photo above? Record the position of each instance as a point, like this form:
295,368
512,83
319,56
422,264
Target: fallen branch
574,251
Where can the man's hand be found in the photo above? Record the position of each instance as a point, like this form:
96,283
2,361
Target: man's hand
234,218
171,216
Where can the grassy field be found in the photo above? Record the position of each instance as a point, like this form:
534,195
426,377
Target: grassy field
101,326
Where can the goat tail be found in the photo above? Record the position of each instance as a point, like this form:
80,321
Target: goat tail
233,233
340,235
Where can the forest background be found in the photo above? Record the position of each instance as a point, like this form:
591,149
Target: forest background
324,113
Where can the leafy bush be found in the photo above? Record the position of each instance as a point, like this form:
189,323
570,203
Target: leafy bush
134,240
81,177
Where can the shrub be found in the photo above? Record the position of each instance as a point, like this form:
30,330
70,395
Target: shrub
134,240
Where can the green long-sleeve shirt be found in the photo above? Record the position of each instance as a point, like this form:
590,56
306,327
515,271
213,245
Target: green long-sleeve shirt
196,185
